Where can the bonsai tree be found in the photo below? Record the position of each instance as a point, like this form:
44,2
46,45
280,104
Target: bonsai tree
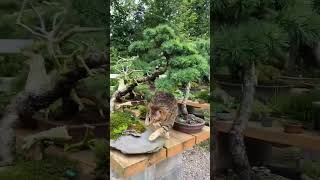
242,47
302,24
160,50
183,71
46,85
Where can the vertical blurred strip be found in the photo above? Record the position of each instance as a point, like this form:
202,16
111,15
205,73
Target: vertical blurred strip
211,91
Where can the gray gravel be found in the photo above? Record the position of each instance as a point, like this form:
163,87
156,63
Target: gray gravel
196,164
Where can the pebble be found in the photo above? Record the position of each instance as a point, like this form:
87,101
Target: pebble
196,164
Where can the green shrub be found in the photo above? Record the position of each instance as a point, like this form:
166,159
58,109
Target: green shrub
100,147
296,107
50,168
259,110
144,91
267,73
202,95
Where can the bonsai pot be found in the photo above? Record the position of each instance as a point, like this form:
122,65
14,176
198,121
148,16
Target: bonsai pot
266,121
293,128
194,127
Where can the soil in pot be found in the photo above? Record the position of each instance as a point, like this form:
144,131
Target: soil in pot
293,128
194,124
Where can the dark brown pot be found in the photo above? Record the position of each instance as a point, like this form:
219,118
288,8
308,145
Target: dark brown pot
188,128
293,128
77,132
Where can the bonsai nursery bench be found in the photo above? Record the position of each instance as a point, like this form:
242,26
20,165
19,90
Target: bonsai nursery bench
165,163
275,135
259,141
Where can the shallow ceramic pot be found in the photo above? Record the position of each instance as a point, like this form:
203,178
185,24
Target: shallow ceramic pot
189,128
293,128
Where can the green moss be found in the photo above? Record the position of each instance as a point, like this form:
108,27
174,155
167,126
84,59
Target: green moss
121,121
51,168
143,110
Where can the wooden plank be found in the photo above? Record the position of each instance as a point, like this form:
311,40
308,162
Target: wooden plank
130,165
178,142
197,104
203,135
275,134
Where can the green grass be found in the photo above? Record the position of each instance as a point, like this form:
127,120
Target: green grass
205,145
51,168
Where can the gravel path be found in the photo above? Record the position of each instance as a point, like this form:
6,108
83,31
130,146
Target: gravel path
196,164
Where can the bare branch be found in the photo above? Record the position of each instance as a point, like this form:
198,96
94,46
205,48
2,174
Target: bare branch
19,22
55,24
43,26
68,34
85,65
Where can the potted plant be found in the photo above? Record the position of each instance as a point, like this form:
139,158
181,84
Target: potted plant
292,126
261,113
184,71
194,124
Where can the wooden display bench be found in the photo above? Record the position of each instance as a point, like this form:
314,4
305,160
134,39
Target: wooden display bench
130,165
275,134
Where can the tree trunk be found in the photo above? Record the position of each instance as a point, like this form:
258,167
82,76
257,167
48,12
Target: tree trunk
26,103
293,58
184,101
127,88
238,150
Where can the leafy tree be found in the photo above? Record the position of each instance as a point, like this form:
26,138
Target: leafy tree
131,17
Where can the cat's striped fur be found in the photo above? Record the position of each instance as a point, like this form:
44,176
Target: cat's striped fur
162,113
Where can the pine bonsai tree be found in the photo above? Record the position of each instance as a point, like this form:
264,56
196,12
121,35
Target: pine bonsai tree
183,71
244,40
249,34
161,51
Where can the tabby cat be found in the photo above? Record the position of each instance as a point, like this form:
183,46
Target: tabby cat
162,113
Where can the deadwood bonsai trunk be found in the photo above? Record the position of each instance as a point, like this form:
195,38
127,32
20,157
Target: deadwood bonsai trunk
236,135
26,103
124,89
184,101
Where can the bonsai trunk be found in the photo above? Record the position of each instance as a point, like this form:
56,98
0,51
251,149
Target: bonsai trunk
125,89
236,139
31,100
184,101
293,58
